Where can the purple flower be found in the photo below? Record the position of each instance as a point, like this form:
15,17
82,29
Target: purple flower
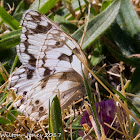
85,119
105,114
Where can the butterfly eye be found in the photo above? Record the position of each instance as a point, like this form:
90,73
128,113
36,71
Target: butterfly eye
41,109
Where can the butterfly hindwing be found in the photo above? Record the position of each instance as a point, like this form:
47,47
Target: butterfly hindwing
36,103
22,80
56,56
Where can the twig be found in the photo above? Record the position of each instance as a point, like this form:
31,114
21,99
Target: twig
138,136
85,29
28,130
15,118
1,65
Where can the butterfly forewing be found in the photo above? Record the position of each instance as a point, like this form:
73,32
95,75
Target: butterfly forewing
35,27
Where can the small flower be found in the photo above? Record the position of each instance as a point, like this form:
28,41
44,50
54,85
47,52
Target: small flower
85,122
85,119
105,114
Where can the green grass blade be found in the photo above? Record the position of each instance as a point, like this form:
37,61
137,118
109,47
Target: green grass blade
98,25
8,19
14,64
56,126
9,40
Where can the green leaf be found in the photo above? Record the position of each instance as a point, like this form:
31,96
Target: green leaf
56,126
15,113
95,59
4,120
21,8
131,61
43,6
98,25
134,85
76,124
125,41
8,19
96,54
128,18
10,39
105,4
66,23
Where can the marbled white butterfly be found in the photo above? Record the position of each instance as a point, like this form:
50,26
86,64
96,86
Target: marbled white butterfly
48,67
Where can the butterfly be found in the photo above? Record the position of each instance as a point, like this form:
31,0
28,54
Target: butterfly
49,67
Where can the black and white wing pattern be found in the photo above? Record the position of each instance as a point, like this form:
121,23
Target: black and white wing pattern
34,31
55,56
43,43
49,67
22,79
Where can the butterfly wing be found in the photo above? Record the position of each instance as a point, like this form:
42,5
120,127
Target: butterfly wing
35,27
22,79
56,56
36,104
40,34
